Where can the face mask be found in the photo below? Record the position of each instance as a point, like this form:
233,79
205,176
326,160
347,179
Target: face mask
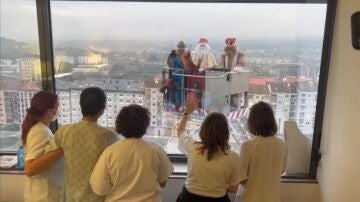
55,116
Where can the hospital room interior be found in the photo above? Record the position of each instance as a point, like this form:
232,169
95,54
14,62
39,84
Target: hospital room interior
179,101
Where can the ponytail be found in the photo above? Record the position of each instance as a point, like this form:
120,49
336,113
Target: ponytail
29,121
40,103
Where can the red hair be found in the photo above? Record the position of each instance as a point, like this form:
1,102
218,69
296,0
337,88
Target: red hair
39,105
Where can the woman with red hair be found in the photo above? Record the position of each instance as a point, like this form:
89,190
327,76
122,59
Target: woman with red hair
41,184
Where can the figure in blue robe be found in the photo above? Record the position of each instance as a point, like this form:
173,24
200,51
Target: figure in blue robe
176,93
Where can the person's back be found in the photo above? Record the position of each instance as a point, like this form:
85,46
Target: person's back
43,172
266,157
133,166
131,169
209,178
83,143
213,169
262,159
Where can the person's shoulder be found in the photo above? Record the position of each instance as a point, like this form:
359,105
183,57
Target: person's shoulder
113,147
233,155
65,128
172,53
156,148
240,53
279,140
39,129
106,131
248,142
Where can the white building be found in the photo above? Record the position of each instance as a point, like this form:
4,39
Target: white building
283,102
5,62
64,58
119,93
306,107
2,108
64,107
15,100
30,69
90,58
257,93
154,102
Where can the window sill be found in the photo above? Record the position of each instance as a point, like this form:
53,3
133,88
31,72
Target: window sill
11,172
8,159
180,172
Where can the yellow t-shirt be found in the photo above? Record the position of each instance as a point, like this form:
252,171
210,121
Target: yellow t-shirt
209,178
130,170
47,185
83,144
262,161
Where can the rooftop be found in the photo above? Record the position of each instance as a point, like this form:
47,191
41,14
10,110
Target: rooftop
153,84
121,85
260,80
282,87
259,89
310,86
287,65
20,85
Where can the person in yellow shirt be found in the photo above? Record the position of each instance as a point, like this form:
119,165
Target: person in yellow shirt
132,169
43,171
262,159
213,169
83,143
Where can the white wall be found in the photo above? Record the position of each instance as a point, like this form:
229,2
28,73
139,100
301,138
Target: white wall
12,186
339,170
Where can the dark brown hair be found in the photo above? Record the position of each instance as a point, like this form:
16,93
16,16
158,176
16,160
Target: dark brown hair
132,121
92,101
214,135
40,103
261,120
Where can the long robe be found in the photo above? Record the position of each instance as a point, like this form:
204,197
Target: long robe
176,94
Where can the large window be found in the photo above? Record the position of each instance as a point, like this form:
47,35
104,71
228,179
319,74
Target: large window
232,55
20,70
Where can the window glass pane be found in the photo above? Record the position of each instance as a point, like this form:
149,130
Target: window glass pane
20,70
233,56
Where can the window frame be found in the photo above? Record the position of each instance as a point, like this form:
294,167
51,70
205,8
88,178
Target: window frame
48,77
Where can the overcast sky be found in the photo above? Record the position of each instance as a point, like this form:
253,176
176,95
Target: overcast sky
124,20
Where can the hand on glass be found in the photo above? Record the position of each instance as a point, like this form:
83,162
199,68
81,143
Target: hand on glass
192,103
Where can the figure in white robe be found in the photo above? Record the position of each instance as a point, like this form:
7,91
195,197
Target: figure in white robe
203,55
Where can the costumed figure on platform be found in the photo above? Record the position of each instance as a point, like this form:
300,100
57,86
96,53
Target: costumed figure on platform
233,59
202,60
173,88
203,55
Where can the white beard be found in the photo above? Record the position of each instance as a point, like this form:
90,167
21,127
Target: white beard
202,50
